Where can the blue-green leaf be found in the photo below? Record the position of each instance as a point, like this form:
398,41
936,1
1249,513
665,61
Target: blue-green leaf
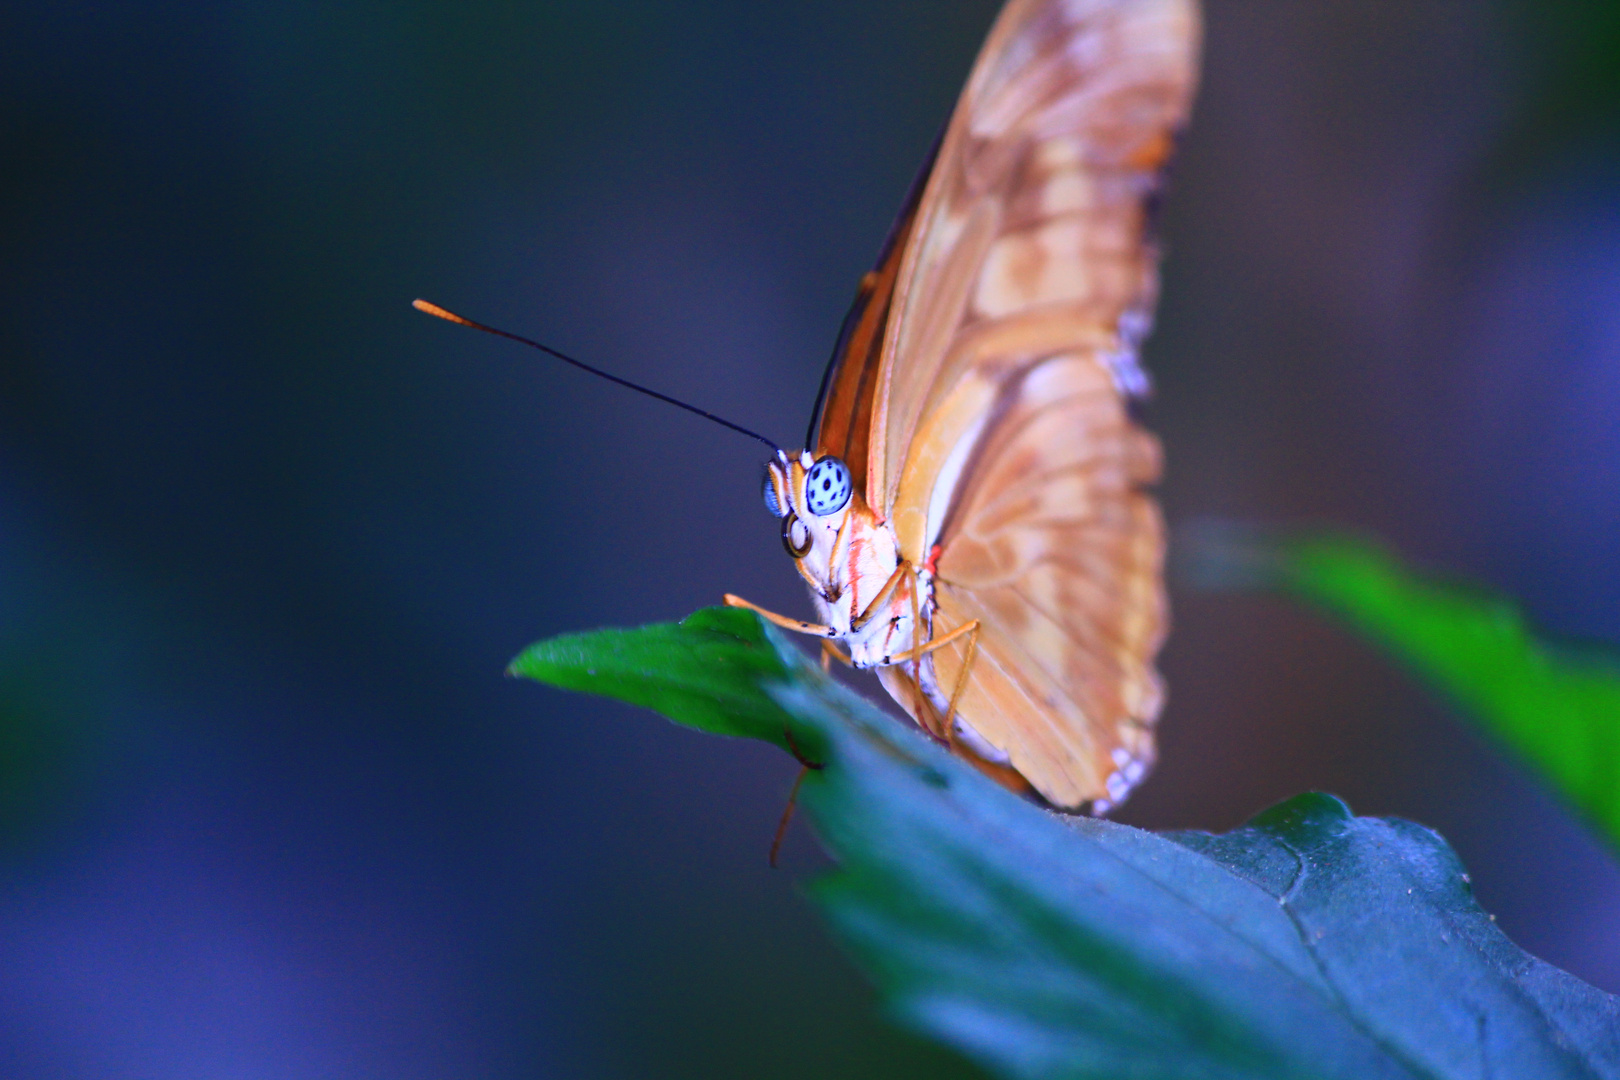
1310,943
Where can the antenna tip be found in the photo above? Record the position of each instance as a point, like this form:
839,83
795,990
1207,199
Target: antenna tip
439,313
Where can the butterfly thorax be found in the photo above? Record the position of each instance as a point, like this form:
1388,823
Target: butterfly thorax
848,557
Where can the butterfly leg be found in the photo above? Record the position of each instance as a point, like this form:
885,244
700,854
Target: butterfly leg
796,625
787,812
969,627
916,661
961,680
831,652
902,574
870,611
806,766
970,630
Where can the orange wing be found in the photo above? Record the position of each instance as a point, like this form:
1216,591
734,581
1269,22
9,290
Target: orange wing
841,423
1000,430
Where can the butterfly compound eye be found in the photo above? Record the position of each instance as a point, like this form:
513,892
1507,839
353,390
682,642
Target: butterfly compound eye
796,537
827,487
772,503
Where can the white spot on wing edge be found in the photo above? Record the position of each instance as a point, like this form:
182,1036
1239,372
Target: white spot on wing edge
1129,377
1124,363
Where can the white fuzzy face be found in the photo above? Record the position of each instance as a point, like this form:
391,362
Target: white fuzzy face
813,500
844,554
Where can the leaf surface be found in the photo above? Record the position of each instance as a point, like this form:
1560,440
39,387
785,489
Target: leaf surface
1309,943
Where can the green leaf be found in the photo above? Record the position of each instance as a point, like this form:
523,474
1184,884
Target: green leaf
1556,708
708,671
1308,944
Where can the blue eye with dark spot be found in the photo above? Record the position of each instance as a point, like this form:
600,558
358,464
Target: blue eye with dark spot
827,487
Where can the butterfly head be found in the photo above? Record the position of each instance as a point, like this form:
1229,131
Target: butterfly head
812,497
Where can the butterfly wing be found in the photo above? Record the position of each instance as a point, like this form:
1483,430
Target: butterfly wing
1057,552
843,418
841,423
999,427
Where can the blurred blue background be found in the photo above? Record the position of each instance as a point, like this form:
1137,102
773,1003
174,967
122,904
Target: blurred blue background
268,807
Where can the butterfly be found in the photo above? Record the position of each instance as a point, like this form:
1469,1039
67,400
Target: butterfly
971,513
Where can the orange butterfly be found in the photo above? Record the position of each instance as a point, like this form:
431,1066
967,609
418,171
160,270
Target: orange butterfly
972,521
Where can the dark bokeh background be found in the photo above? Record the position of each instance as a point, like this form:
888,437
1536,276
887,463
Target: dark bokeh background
267,537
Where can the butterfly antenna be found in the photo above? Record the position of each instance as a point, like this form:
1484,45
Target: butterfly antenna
449,316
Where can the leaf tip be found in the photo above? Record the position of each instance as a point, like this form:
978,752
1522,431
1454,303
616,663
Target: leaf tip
1312,815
